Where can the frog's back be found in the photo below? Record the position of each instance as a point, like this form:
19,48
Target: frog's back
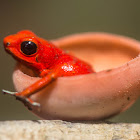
68,65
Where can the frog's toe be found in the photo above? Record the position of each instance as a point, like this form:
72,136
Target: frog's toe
32,102
27,100
8,92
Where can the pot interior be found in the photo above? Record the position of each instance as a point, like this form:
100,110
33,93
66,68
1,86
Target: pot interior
104,54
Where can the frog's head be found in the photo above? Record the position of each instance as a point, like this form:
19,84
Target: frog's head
29,49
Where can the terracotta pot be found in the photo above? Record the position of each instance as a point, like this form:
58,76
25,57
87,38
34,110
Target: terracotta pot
112,89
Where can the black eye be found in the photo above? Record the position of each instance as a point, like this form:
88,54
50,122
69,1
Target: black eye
28,47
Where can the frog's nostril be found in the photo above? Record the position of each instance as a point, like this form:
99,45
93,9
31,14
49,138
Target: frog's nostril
6,46
8,43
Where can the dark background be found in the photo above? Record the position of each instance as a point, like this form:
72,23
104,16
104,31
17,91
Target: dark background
56,18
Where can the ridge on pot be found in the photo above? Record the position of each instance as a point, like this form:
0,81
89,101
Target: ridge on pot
111,90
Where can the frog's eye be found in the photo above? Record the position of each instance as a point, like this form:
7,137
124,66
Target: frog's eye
28,47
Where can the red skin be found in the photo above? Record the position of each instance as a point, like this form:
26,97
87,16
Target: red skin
49,61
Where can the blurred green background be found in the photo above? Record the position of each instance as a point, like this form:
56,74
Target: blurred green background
56,18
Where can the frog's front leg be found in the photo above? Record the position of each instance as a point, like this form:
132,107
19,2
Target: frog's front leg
24,95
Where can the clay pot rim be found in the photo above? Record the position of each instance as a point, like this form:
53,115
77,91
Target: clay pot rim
101,37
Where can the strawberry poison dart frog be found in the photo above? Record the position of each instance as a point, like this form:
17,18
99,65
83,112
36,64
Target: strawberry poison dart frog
48,60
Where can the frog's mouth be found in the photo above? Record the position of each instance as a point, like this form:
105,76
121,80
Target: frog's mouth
7,49
10,51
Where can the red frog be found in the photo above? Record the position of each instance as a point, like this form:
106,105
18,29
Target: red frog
49,61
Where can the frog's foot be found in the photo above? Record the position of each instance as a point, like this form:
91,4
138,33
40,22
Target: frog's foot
32,102
9,92
25,100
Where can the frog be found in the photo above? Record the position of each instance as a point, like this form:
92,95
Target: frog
44,58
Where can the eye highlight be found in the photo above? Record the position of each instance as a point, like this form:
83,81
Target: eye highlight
28,47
